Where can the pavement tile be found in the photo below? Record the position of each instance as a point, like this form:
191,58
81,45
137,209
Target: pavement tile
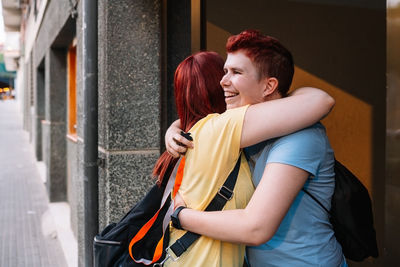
27,236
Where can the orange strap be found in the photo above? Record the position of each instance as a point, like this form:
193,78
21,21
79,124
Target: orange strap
159,250
142,232
178,178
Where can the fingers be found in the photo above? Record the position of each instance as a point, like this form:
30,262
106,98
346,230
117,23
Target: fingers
175,143
178,201
175,148
172,151
182,141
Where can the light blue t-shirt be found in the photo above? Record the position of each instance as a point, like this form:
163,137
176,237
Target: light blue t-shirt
305,236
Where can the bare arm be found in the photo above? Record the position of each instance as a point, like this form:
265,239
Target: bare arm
285,115
258,222
270,119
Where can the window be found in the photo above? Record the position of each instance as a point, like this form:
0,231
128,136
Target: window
72,110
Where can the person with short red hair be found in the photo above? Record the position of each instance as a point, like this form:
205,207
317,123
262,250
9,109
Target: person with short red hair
281,225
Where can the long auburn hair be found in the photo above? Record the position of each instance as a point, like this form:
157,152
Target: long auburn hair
197,93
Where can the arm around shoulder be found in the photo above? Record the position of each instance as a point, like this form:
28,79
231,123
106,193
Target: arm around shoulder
274,118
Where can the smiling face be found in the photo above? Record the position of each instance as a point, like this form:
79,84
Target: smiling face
241,81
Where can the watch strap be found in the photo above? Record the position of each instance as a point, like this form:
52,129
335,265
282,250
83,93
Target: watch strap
175,219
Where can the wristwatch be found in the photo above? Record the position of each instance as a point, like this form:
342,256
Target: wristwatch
175,219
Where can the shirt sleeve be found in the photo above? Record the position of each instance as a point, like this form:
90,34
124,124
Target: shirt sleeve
216,149
304,149
221,134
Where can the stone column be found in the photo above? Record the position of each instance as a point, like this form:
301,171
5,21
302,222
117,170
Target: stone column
54,126
129,102
27,95
39,108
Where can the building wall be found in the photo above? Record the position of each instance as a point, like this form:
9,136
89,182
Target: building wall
27,96
392,219
48,57
39,110
176,22
132,96
77,212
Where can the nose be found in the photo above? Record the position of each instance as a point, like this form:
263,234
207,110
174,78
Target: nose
225,80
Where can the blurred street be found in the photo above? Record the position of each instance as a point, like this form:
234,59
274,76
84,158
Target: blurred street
28,232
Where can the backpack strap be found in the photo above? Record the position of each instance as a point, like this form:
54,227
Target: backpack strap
167,185
316,200
224,194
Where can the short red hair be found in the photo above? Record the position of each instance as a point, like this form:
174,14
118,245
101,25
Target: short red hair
197,94
271,58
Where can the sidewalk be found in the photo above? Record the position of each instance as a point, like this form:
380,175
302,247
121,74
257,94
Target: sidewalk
28,235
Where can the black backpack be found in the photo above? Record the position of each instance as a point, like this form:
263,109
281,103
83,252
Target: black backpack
351,215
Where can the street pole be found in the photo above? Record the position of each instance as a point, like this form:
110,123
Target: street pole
90,126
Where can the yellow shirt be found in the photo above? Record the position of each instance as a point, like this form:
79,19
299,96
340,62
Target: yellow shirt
216,149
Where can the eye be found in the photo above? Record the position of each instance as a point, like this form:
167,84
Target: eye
236,72
225,71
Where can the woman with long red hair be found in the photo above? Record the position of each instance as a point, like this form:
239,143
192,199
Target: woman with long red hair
218,137
197,94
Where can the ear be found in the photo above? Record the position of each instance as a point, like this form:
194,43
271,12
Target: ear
271,86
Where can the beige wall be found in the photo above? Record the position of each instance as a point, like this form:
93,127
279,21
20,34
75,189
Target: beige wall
336,47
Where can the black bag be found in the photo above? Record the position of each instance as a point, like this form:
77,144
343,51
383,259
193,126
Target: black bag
111,245
351,215
143,233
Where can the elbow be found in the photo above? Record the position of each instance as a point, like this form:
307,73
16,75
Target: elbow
330,102
322,97
256,236
258,239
